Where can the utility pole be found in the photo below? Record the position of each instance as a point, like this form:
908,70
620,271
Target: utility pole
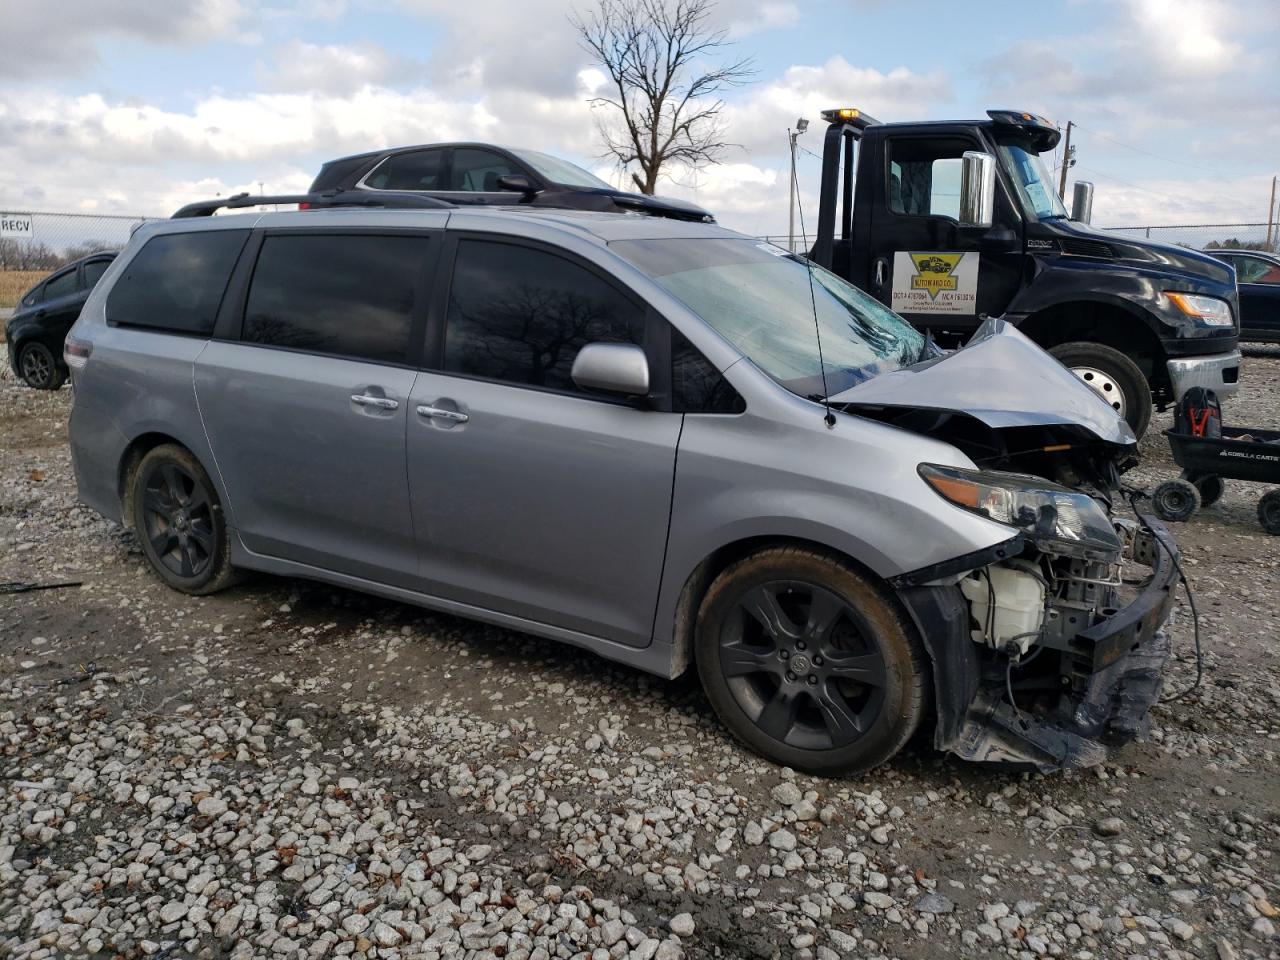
1271,207
801,126
1068,160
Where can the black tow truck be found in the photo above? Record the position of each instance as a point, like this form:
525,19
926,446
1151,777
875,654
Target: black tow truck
949,222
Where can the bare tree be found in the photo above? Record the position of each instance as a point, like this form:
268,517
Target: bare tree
664,103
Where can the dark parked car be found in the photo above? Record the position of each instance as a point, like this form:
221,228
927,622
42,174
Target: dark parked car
1258,282
481,173
45,313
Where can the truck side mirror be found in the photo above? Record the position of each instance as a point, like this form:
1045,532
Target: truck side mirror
977,189
1082,201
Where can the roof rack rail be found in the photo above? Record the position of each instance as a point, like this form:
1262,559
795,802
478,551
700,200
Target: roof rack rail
331,198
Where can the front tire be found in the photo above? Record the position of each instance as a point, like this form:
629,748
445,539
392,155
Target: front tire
1113,376
39,368
809,663
179,521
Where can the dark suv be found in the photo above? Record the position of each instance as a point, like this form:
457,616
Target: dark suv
481,173
45,313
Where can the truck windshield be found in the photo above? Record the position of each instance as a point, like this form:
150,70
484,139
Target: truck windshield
1032,181
759,298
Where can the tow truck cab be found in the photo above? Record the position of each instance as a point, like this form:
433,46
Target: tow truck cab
947,222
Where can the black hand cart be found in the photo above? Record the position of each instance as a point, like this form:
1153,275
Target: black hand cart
1241,453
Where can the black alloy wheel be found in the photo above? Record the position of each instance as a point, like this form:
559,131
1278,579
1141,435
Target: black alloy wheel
802,665
809,663
39,367
179,521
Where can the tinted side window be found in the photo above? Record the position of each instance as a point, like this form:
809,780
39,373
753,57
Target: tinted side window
696,385
1256,270
353,295
521,315
176,281
479,170
93,271
410,171
60,286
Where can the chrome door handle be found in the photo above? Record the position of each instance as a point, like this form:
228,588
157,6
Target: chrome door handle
880,273
382,403
440,413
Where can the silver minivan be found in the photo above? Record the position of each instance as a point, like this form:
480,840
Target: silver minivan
663,442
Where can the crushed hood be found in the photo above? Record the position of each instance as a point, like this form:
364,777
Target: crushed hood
999,378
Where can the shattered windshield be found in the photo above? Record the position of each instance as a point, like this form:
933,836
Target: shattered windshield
760,298
1032,181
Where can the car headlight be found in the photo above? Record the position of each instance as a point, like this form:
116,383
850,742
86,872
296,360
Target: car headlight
1054,516
1208,310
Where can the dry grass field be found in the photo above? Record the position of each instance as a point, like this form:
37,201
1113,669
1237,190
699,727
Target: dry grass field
14,283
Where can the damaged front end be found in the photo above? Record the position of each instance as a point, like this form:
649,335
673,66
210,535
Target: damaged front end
1048,648
1044,655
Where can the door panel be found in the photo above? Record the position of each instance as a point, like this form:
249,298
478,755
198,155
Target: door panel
542,505
1260,309
313,474
925,265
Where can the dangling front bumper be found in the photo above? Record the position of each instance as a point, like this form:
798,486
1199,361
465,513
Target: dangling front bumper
1115,669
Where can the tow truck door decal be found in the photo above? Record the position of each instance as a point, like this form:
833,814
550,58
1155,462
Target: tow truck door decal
927,281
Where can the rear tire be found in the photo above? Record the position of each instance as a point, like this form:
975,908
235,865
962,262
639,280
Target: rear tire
809,663
1113,376
1210,487
1176,500
39,368
180,523
1269,512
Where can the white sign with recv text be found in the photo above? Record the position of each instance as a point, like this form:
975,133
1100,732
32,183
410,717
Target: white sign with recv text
16,226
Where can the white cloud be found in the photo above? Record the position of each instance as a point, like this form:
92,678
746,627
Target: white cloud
300,67
62,38
760,118
767,16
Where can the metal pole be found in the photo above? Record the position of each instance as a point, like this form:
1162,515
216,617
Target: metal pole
791,204
1271,206
1066,161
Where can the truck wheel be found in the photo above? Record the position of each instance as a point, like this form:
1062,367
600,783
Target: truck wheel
1210,486
1269,512
1113,376
808,663
1175,500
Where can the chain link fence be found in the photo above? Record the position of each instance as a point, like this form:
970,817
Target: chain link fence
1200,236
33,244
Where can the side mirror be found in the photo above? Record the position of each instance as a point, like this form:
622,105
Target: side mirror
1082,201
977,189
612,368
517,183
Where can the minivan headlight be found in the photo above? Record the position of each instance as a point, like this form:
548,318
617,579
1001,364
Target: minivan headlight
1052,515
1211,311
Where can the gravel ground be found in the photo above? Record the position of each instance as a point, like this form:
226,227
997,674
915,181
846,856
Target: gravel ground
289,770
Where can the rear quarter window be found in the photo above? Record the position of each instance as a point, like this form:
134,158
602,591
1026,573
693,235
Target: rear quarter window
176,281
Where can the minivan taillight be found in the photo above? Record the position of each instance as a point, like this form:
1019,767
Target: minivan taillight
75,352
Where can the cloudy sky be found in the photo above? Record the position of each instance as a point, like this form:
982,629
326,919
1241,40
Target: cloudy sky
139,106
